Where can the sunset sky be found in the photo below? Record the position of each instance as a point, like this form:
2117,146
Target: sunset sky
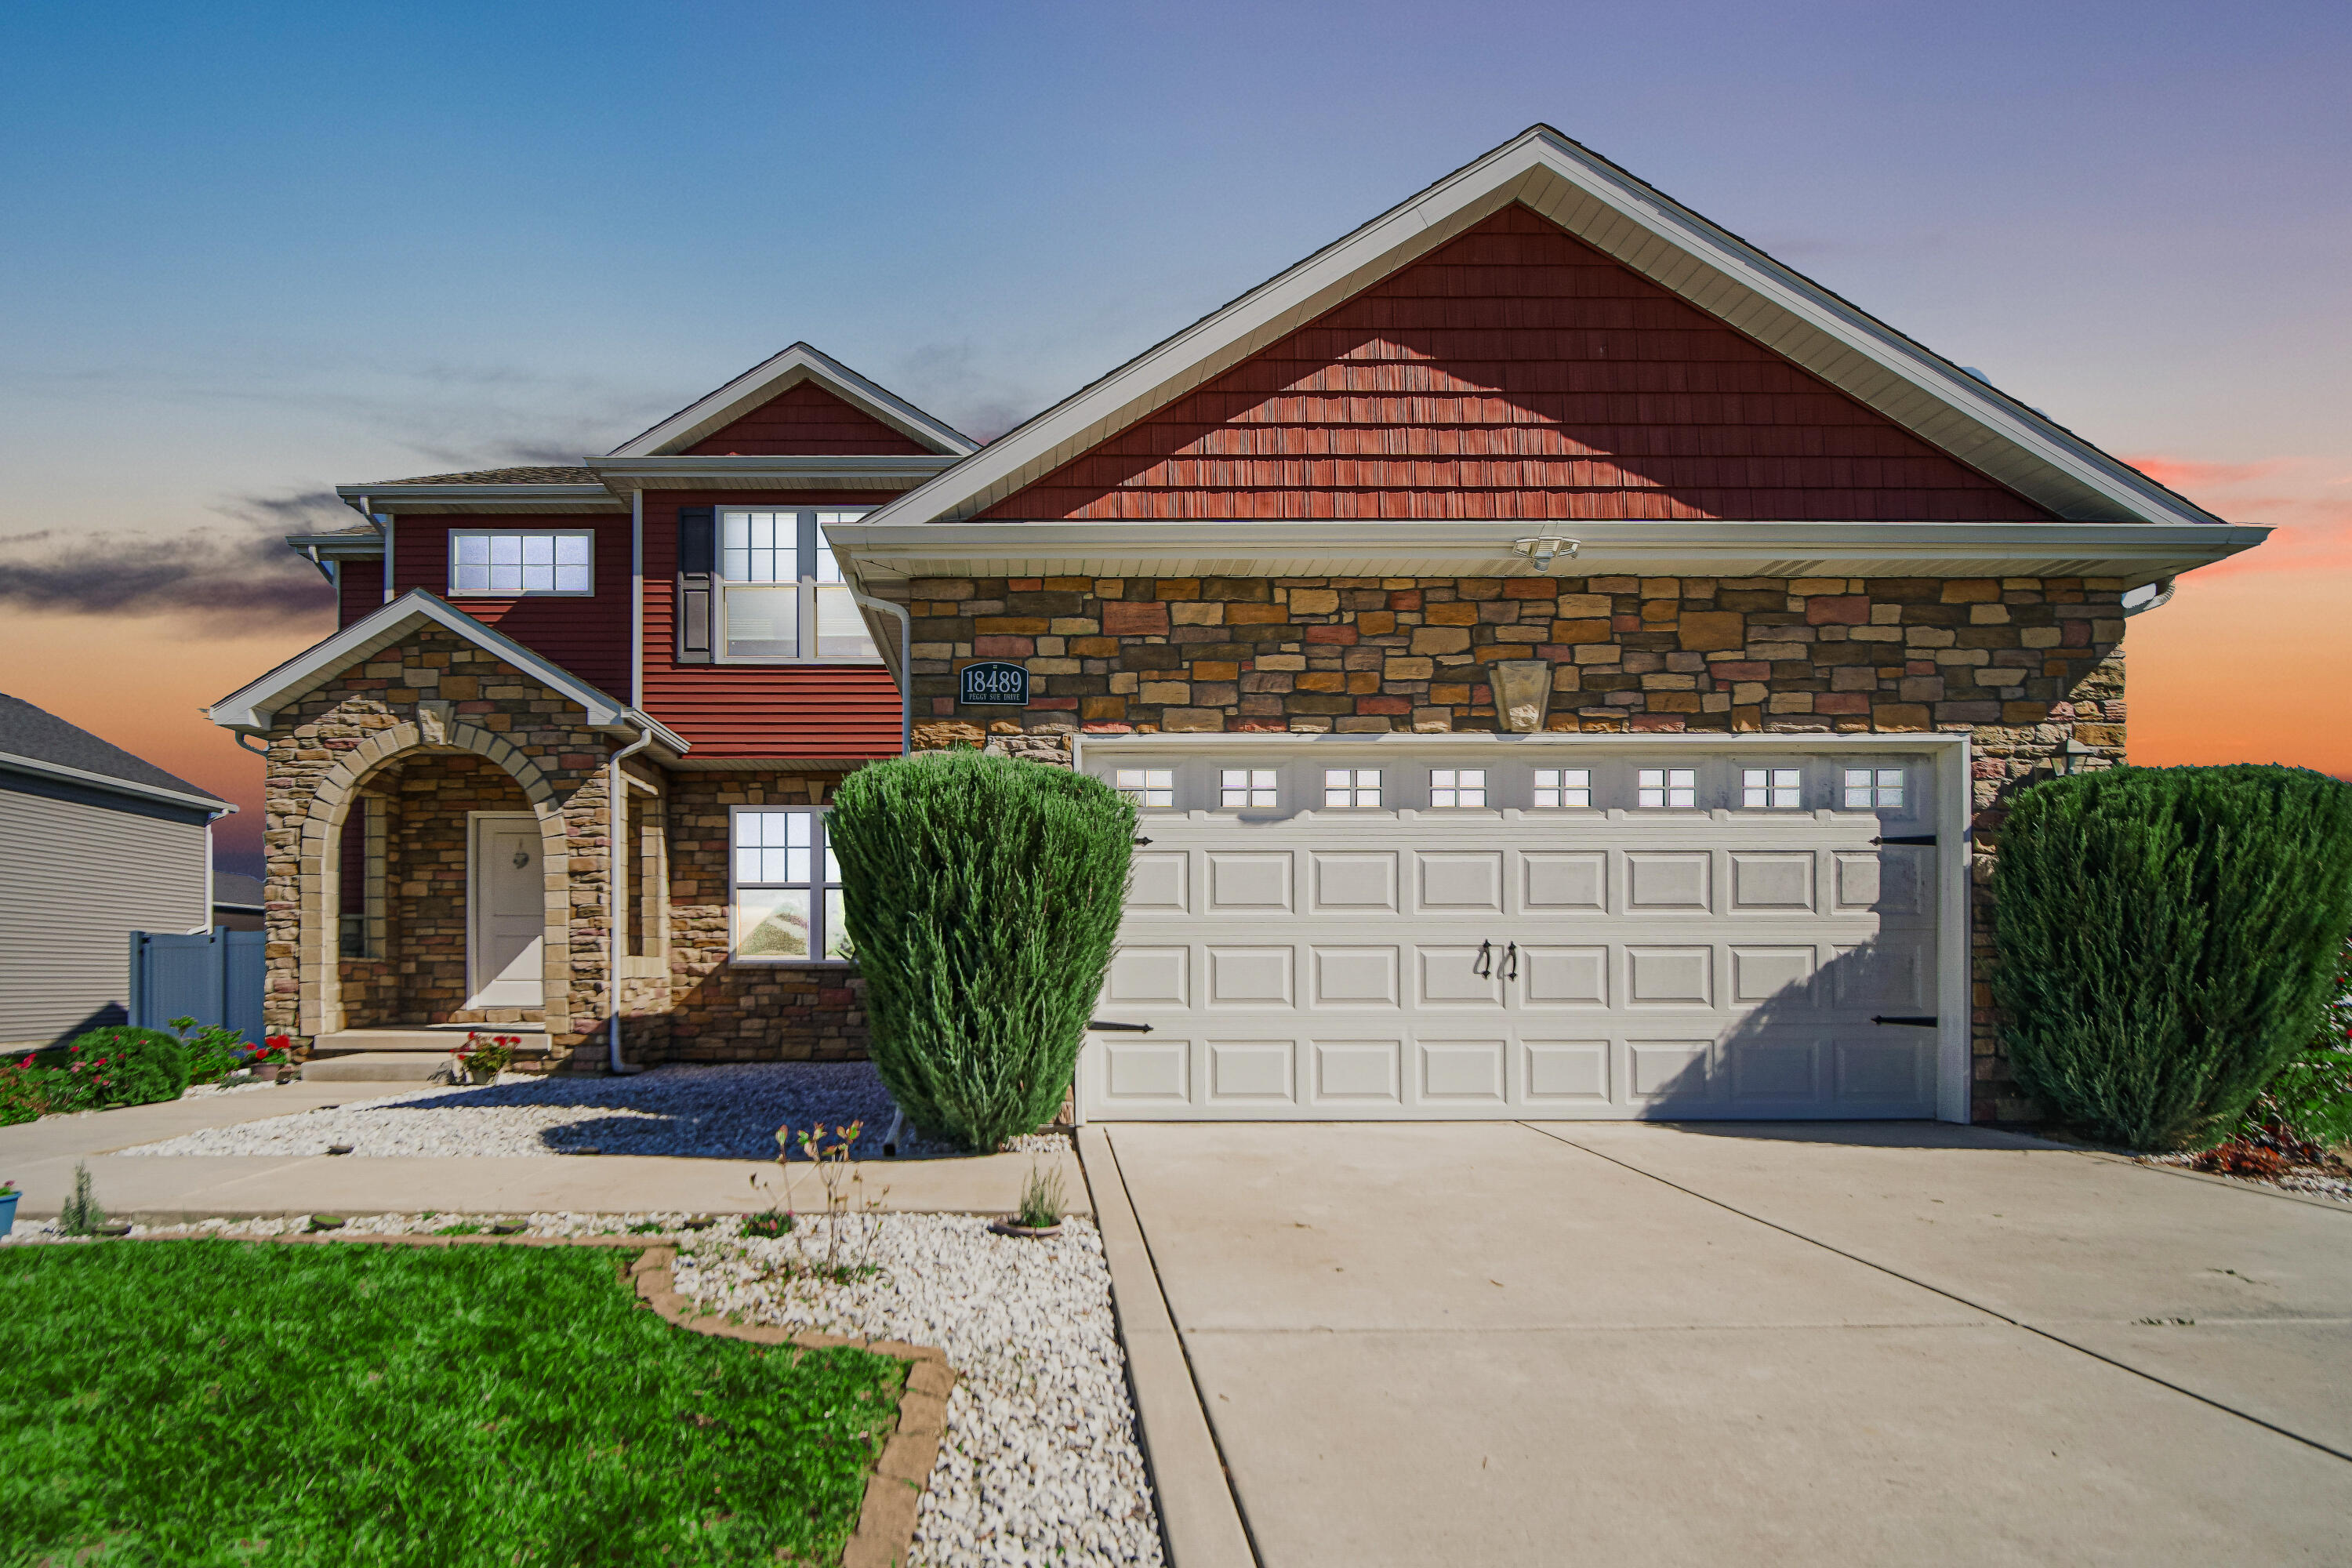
249,252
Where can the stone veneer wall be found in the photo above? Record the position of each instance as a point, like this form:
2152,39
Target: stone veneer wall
2023,664
434,693
722,1011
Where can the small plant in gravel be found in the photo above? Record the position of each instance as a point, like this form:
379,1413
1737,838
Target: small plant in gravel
845,1191
768,1224
1042,1202
463,1227
488,1054
80,1214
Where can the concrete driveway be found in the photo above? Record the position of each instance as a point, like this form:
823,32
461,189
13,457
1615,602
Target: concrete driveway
1505,1344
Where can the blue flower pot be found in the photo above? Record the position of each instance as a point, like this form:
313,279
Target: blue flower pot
8,1212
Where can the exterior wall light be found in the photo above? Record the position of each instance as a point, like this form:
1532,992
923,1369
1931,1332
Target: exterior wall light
1543,549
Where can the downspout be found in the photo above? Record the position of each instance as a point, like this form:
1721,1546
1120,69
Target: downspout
906,666
389,521
637,600
617,816
2164,588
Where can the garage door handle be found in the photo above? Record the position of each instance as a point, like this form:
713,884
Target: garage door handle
1927,838
1484,964
1128,1028
1511,961
1928,1023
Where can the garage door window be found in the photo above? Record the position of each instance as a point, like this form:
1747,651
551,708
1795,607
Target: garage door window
1869,789
1456,788
1771,789
1241,787
1667,788
1352,787
1563,788
1148,786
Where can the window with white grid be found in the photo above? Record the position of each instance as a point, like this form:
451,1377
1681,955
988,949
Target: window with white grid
1352,786
1147,786
1560,787
782,597
787,897
1771,789
1246,787
501,562
1667,787
1457,786
1869,788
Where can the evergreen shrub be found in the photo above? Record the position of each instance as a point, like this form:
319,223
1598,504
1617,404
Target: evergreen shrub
2165,938
2308,1101
983,899
130,1067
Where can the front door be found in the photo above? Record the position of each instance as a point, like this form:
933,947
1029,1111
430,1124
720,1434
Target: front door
505,911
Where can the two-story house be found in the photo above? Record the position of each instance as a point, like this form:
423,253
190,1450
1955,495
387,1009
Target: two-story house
1570,665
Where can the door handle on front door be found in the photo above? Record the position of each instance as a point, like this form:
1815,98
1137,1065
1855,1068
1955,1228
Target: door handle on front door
1511,961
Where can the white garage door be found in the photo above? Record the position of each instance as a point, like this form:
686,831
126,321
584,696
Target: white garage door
1408,927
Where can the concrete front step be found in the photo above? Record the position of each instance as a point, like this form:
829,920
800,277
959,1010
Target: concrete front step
531,1040
375,1067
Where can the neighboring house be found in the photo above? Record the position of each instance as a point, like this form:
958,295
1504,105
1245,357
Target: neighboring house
95,843
236,901
1562,654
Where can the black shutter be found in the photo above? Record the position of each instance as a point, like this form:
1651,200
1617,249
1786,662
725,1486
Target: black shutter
697,561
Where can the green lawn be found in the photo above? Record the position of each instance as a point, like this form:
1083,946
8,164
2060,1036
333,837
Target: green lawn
223,1402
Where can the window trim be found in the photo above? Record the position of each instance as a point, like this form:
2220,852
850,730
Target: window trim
808,536
820,894
458,534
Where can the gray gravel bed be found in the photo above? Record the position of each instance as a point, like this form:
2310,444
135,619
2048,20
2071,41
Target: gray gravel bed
730,1112
1040,1462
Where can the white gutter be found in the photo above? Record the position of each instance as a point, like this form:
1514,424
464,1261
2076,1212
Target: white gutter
616,815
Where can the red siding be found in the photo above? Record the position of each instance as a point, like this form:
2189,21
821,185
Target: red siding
360,585
588,637
849,711
807,421
1516,373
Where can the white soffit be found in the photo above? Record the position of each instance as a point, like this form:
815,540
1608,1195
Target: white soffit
253,708
1648,232
777,375
2133,553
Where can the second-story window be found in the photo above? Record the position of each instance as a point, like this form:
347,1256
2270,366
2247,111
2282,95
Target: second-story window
507,563
780,594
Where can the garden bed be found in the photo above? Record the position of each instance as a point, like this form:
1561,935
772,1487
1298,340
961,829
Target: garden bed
728,1112
211,1400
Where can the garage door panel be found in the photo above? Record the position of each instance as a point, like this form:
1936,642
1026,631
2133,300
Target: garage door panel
1677,880
1559,882
1253,1073
1720,961
1150,977
1561,1073
1249,977
1249,881
1670,976
1467,1072
1359,1074
1356,976
1448,976
1556,977
1354,883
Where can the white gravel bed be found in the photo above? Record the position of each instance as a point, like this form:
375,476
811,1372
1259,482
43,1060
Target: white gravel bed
1040,1463
731,1112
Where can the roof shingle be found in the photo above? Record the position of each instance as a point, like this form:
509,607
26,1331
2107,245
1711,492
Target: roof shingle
42,737
531,476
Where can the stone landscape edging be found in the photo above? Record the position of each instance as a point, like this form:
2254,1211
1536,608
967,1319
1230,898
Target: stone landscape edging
887,1518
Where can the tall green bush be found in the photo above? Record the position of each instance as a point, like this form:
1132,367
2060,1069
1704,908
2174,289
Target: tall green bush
2309,1099
983,899
2165,937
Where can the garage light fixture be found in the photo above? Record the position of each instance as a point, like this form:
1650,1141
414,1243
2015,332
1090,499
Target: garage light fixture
1541,549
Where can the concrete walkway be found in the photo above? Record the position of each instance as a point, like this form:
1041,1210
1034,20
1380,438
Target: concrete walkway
1520,1343
41,1156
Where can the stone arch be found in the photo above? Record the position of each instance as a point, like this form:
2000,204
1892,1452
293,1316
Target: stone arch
318,974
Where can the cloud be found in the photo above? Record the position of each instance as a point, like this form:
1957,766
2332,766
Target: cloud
2312,529
243,570
2183,475
945,379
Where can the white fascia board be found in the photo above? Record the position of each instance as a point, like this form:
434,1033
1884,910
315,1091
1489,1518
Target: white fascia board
1759,295
11,762
621,475
766,380
554,498
2135,551
338,546
253,708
